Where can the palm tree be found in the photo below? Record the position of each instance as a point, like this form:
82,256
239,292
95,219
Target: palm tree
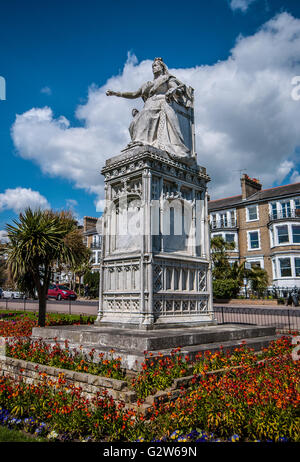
39,241
2,264
259,280
219,255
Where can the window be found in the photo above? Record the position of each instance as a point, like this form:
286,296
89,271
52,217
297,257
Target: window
297,207
283,234
297,267
252,213
255,264
214,221
274,210
296,234
286,209
285,267
223,219
253,240
229,237
232,218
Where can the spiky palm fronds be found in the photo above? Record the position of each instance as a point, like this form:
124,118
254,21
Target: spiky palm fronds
38,241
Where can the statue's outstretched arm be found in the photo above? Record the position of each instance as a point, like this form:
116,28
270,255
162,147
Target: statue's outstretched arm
126,94
173,88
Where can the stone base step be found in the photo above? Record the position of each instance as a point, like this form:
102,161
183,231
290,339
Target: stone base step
155,340
131,350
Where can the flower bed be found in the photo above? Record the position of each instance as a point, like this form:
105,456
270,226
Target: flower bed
257,402
245,400
56,356
62,412
159,373
21,325
249,403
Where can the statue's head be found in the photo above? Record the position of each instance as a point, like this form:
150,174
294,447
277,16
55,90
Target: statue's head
159,65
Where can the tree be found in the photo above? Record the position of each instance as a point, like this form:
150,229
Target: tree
259,280
39,241
92,279
83,267
219,248
224,284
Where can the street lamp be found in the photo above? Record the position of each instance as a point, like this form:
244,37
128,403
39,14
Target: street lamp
247,266
245,284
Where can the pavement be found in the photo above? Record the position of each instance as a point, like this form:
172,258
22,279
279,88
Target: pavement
282,316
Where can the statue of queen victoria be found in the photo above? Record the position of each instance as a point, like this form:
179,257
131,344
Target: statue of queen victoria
167,119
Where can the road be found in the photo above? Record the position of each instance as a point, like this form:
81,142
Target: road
53,306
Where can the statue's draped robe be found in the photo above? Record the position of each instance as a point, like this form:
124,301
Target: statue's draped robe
157,123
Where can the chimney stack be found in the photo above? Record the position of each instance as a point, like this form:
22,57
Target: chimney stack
249,186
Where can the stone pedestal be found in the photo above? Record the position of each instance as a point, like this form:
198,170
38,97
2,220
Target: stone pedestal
155,268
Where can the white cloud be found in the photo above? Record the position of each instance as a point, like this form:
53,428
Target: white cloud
71,203
295,178
242,5
3,236
46,91
19,199
245,117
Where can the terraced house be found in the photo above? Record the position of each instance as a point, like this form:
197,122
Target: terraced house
264,224
93,240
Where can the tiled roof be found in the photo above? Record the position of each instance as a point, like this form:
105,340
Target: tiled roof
265,194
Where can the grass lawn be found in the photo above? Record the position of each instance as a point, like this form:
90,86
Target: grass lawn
8,436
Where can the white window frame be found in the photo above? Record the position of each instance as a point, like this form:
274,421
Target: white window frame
222,234
292,238
275,242
217,217
288,234
259,260
249,241
285,201
247,213
285,257
276,265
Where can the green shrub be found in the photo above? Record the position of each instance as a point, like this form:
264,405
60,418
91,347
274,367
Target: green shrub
225,288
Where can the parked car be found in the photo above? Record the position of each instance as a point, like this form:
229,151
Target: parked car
9,293
61,292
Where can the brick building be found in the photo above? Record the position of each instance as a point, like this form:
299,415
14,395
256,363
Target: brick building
93,238
264,224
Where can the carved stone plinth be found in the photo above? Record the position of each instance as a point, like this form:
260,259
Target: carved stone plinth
155,269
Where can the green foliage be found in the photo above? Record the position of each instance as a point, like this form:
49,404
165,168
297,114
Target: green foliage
219,248
259,280
38,242
225,288
92,279
3,274
228,279
13,436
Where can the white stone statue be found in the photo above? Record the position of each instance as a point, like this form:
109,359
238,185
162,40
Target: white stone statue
166,120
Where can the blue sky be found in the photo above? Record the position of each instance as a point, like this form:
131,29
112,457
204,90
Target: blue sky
58,57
